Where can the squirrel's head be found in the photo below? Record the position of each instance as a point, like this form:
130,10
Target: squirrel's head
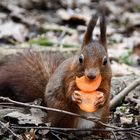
92,58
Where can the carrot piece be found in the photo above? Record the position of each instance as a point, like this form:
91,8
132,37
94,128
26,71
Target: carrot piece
88,100
87,85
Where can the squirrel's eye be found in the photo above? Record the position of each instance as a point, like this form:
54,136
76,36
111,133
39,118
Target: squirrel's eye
81,58
105,60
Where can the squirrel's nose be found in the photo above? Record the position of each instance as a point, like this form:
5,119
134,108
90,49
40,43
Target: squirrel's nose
91,75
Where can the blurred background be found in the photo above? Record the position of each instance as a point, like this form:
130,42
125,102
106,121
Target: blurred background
60,24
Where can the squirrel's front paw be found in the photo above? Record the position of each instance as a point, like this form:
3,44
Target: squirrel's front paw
76,97
100,99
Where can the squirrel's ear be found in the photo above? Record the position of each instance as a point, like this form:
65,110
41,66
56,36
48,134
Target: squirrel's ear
103,28
89,31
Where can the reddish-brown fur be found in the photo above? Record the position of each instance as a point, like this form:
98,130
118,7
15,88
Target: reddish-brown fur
24,76
59,93
31,75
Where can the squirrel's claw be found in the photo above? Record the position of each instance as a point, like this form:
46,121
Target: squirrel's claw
76,97
100,99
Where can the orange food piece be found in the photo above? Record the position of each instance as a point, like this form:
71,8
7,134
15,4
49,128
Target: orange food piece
88,100
87,85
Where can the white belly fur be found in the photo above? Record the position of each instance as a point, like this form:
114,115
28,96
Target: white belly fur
82,123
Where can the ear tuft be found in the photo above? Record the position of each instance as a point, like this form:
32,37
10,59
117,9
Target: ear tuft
102,27
90,28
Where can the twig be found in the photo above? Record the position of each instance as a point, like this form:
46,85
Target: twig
123,93
11,106
114,135
56,135
47,108
75,129
14,134
107,125
60,129
133,130
6,103
134,134
60,132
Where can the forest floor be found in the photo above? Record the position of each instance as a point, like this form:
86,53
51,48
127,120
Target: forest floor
60,25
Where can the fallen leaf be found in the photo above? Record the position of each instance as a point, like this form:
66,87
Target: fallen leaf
21,118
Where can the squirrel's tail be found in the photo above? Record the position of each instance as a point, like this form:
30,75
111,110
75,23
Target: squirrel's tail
23,77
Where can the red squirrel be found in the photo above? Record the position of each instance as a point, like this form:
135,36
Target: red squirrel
90,61
48,76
